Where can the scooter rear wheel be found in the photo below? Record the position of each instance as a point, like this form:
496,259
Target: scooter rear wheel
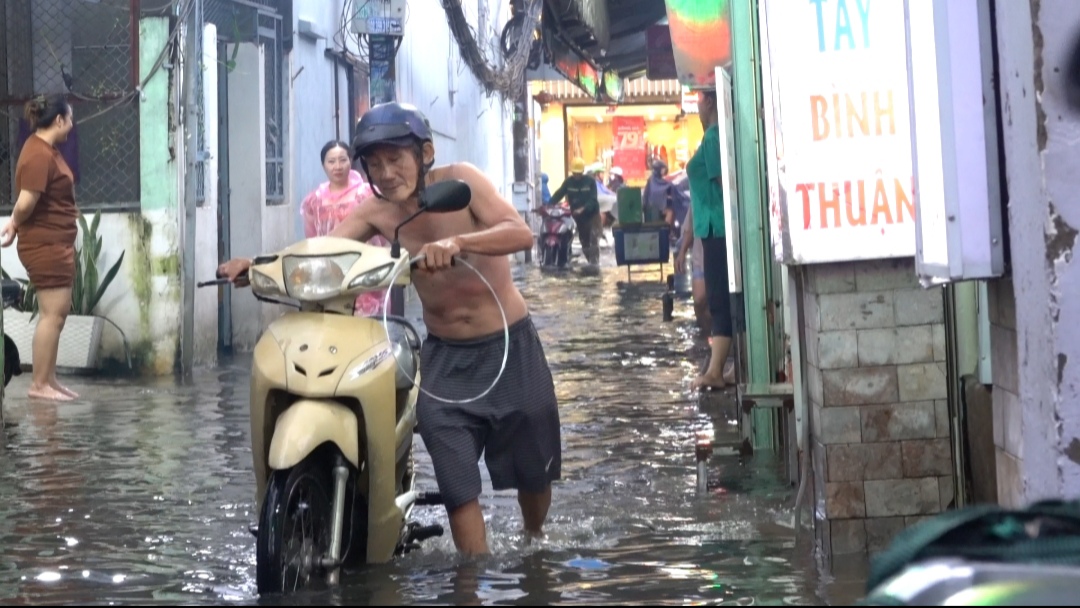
295,527
562,254
547,256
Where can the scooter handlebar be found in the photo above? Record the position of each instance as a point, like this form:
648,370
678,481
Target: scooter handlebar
228,281
415,265
220,281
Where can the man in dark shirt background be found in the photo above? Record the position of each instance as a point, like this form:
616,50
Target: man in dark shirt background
580,191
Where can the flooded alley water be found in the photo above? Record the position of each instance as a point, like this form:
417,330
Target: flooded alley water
142,492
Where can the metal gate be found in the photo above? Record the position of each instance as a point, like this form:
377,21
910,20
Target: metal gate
87,51
262,22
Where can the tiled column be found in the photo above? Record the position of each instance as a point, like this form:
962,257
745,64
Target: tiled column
875,348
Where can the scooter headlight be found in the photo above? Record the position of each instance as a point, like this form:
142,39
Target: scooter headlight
316,277
372,278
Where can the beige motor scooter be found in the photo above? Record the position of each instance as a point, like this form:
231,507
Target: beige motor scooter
333,410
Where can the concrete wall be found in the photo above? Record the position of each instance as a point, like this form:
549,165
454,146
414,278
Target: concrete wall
875,373
1036,324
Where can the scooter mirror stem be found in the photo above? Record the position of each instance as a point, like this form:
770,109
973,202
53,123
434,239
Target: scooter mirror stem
395,247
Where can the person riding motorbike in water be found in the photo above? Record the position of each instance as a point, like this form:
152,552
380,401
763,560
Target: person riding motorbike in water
581,192
517,422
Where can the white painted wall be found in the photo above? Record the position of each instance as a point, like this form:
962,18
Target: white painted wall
206,216
469,126
247,180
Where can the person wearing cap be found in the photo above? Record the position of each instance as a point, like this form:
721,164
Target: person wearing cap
515,425
581,192
616,180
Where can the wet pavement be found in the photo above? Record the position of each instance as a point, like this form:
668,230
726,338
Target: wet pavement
142,493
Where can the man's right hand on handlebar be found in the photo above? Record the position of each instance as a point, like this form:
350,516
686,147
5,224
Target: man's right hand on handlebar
236,270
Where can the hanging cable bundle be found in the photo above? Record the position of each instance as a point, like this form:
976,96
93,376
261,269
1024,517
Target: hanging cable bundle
508,78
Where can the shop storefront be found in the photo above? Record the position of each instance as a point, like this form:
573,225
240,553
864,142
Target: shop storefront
651,123
632,137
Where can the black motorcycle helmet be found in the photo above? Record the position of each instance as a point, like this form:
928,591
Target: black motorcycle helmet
395,124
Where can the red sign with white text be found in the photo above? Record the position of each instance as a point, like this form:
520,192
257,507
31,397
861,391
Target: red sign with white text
629,139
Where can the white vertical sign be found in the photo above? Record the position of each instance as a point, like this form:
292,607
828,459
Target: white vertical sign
954,140
728,184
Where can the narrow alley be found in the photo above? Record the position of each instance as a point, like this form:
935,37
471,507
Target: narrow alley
142,492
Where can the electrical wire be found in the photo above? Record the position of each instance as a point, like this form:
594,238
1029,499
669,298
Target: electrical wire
502,312
507,76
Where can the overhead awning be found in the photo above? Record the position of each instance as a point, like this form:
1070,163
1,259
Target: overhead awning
608,34
591,14
635,90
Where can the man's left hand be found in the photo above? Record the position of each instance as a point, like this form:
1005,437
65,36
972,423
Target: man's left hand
439,254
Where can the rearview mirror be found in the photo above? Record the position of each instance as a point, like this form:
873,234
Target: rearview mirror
445,197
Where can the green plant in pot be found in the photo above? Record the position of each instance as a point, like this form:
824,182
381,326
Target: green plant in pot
90,285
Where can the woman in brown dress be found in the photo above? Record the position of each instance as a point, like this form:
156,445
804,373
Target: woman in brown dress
45,219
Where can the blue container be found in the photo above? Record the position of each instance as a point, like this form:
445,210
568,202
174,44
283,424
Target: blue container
642,244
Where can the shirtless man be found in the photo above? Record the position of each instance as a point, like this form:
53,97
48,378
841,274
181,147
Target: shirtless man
517,423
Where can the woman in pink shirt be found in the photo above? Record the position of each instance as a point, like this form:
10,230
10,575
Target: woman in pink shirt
332,201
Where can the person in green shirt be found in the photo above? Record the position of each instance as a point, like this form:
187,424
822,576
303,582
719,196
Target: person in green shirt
707,201
580,191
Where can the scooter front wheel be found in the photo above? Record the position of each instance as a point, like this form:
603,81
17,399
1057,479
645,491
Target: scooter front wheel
295,528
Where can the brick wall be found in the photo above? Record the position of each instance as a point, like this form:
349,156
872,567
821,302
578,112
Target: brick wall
875,350
1008,431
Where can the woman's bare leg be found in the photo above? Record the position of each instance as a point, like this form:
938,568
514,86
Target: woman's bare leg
701,304
53,308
